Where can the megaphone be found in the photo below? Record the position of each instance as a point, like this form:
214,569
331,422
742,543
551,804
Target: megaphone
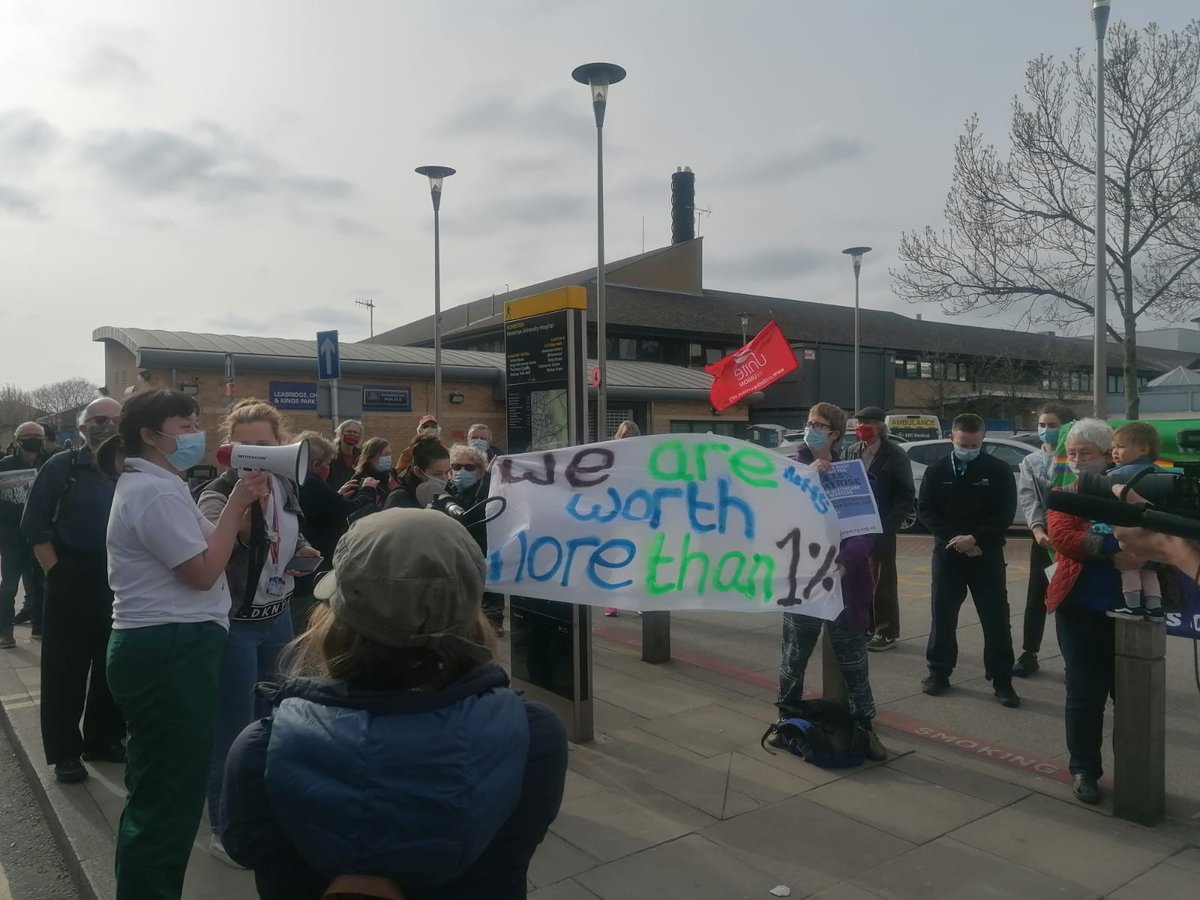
290,461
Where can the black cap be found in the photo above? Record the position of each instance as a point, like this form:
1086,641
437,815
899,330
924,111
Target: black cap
874,413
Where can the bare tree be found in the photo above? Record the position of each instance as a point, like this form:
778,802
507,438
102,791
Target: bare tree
1021,234
1007,382
60,395
943,388
16,406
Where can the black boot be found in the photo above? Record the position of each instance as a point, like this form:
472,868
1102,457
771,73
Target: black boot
867,741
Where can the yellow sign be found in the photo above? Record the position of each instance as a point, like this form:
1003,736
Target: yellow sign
570,297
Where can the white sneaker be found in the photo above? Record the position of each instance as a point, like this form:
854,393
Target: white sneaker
217,849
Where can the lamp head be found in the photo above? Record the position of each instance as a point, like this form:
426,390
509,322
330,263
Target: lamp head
1100,11
598,77
435,174
856,254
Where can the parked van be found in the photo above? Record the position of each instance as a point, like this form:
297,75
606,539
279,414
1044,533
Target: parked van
914,428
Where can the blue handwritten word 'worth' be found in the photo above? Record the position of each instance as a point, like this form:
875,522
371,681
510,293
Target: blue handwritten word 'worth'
809,486
647,506
547,558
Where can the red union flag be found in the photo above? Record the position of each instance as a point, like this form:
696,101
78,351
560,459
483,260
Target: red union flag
763,361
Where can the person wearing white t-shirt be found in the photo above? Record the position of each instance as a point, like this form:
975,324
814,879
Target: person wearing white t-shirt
166,567
260,586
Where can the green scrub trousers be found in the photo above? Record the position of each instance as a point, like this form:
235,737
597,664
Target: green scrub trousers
164,679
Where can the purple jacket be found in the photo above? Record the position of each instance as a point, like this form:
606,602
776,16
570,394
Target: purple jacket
858,584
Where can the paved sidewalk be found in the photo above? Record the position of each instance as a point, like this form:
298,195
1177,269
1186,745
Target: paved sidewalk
676,799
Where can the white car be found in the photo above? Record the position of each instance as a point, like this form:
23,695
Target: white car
923,454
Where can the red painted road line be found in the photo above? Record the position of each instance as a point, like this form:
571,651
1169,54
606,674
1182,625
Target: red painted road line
924,731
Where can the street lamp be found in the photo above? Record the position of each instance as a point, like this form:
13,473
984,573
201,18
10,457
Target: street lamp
745,318
1100,10
435,175
856,254
598,77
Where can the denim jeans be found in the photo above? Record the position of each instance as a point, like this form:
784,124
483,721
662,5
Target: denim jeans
251,656
800,636
17,565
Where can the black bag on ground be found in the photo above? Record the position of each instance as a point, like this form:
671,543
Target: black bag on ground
822,733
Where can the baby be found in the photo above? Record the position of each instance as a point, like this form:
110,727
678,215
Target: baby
1136,447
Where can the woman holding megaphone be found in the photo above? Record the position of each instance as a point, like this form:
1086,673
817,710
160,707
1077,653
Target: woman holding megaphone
166,567
261,575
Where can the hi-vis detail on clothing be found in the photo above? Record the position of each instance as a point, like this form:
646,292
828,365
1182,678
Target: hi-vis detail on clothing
686,521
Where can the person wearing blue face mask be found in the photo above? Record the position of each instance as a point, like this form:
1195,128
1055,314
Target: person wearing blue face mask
470,481
968,500
166,568
479,436
1033,484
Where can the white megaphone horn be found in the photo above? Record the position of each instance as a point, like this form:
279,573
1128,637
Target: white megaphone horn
290,461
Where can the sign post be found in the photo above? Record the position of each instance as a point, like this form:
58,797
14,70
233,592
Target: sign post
329,367
545,347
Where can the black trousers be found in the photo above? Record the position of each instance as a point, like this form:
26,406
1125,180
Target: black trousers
1088,641
953,575
76,625
18,564
885,607
493,607
1035,599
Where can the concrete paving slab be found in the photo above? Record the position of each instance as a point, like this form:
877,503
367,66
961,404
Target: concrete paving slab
946,868
1162,881
707,730
1105,853
900,804
965,781
806,844
564,890
846,891
691,867
556,860
579,785
1188,860
650,698
609,825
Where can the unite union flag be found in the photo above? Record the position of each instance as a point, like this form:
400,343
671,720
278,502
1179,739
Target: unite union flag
763,361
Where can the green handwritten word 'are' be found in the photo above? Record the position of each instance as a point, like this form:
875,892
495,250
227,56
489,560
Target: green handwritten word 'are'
680,461
695,571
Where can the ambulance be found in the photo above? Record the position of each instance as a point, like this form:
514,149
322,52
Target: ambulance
914,428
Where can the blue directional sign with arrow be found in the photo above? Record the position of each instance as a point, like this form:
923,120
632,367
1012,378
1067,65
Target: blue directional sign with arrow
329,363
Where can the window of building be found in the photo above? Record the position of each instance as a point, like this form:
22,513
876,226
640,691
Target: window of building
695,355
705,426
912,368
926,370
650,350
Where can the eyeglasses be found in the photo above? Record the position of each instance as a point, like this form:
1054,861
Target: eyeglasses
458,467
102,420
818,425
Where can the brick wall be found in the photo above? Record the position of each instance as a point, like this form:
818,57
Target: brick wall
663,411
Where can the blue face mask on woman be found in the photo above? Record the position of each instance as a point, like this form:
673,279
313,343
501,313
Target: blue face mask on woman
383,463
189,450
815,438
1048,435
464,479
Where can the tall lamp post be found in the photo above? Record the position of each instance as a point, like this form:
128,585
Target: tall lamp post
1100,10
745,320
598,77
436,174
856,254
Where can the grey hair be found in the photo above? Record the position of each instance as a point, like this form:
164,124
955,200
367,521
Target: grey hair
23,425
1092,431
337,432
483,425
476,456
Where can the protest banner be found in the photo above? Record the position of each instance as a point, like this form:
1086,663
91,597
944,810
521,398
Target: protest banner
763,361
681,521
14,485
849,491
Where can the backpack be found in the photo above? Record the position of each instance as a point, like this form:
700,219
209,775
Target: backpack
822,734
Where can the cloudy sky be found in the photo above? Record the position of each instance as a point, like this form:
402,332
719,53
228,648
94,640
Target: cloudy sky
245,166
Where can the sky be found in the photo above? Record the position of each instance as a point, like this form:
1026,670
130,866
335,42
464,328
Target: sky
246,166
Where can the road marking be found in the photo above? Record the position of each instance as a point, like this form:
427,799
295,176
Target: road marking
22,696
25,704
5,891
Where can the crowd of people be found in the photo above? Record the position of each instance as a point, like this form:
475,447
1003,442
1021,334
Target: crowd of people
313,662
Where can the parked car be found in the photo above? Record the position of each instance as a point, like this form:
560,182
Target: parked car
923,454
1029,437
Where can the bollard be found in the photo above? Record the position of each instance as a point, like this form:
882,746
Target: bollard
1140,722
833,685
656,637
